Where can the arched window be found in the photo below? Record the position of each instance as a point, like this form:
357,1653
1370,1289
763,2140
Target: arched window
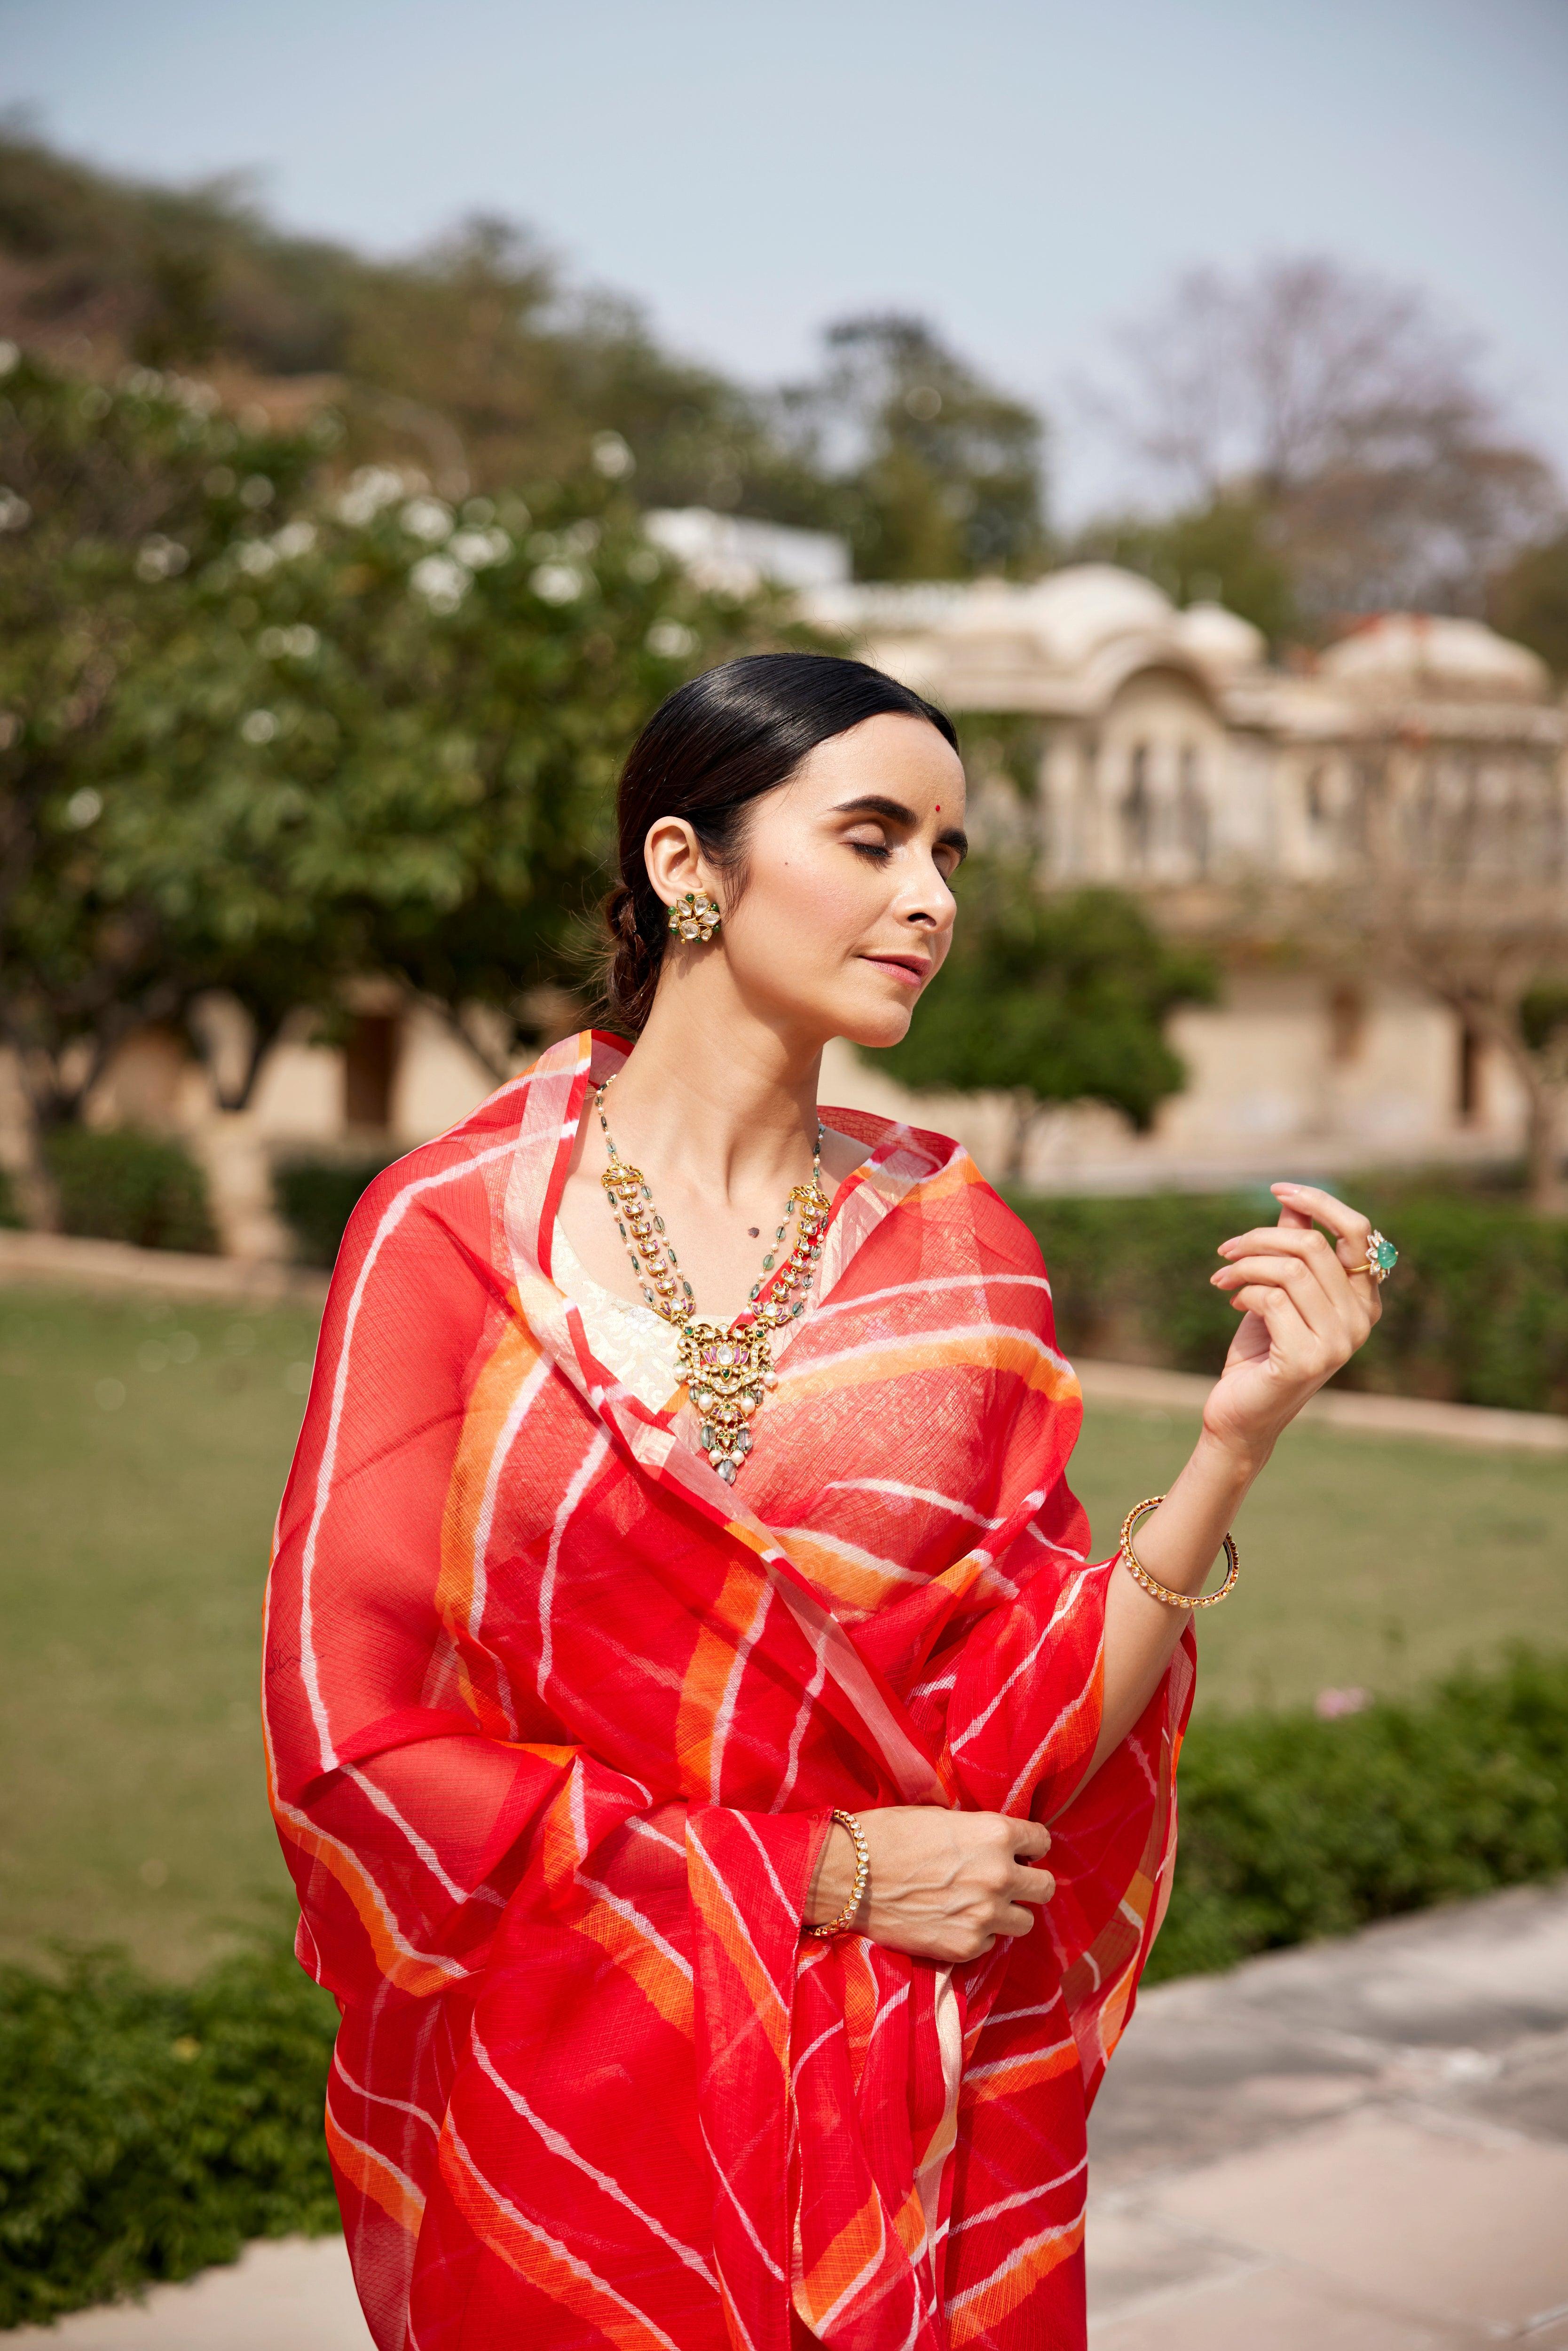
1137,810
1193,808
1314,792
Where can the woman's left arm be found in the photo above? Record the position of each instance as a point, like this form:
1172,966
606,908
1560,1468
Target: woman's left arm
1304,1313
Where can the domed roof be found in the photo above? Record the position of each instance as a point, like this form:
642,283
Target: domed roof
1078,611
1221,641
1070,616
1429,654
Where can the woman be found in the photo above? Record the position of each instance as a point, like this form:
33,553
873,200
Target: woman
729,1809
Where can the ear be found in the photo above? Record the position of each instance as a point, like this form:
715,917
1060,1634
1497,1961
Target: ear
674,860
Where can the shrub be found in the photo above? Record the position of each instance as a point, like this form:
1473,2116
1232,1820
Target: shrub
119,1185
11,1218
1478,1312
1293,1828
147,2129
316,1198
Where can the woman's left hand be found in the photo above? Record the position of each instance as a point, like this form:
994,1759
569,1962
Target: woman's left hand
1303,1315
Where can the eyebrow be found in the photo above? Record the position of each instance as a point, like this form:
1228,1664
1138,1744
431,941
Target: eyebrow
951,836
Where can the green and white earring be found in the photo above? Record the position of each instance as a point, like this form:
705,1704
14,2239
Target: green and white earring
694,916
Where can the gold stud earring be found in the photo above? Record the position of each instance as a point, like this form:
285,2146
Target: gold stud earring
694,916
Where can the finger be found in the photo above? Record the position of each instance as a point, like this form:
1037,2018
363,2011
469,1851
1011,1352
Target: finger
1350,1301
1032,1886
1014,1920
1312,1248
1029,1839
1327,1309
1285,1240
1301,1351
1310,1339
1346,1224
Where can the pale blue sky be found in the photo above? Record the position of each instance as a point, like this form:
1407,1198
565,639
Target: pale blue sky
1027,171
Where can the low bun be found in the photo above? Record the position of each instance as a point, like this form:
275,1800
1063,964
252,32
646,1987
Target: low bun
712,748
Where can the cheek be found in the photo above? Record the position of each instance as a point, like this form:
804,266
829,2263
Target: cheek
808,908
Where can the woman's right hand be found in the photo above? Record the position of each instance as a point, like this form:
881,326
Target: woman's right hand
943,1885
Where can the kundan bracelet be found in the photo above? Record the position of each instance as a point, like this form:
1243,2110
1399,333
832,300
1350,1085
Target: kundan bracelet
846,1918
1152,1585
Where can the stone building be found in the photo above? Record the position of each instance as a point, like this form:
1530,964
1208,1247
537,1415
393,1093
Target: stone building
1121,741
1154,749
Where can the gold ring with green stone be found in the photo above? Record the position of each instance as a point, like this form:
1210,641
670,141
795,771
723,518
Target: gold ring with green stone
1382,1257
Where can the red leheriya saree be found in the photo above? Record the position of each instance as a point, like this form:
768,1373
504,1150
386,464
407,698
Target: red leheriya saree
555,1719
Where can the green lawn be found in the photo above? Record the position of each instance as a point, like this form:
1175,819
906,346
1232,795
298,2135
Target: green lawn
1367,1560
143,1447
142,1450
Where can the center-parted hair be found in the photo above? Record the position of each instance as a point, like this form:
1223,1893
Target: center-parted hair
711,749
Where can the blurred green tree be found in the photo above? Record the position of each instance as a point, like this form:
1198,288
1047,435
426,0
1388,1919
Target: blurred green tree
1220,551
112,502
395,726
474,358
1051,1001
1528,600
935,473
260,733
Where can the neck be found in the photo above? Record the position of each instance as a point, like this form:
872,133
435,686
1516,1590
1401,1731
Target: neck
715,1095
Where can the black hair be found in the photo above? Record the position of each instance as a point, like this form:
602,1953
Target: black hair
711,749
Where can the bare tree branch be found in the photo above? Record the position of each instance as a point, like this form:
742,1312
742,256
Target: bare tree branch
1351,414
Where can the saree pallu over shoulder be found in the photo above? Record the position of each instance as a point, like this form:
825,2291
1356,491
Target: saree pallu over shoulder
555,1721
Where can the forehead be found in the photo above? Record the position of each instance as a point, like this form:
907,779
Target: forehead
892,754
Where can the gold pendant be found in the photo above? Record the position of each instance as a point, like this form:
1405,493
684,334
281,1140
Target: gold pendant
727,1374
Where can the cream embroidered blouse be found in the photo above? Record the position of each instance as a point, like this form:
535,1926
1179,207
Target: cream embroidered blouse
628,1338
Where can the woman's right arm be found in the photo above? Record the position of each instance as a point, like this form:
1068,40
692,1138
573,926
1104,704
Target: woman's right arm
942,1885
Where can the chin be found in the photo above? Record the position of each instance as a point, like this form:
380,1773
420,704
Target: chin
875,1026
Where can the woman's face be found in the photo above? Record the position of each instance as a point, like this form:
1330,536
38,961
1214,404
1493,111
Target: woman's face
845,916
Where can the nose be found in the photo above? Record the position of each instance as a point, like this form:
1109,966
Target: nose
930,904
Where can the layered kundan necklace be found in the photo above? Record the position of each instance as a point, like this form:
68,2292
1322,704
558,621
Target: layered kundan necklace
728,1371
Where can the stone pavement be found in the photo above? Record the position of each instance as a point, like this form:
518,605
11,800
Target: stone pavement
296,2295
1362,2146
1341,1408
67,1262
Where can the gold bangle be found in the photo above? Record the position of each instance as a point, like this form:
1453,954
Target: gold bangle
1150,1584
846,1918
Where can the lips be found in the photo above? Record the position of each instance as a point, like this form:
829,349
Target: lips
913,969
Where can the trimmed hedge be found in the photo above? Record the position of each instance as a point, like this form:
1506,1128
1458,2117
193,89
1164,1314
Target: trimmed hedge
148,2130
316,1198
118,1184
1477,1314
1293,1828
